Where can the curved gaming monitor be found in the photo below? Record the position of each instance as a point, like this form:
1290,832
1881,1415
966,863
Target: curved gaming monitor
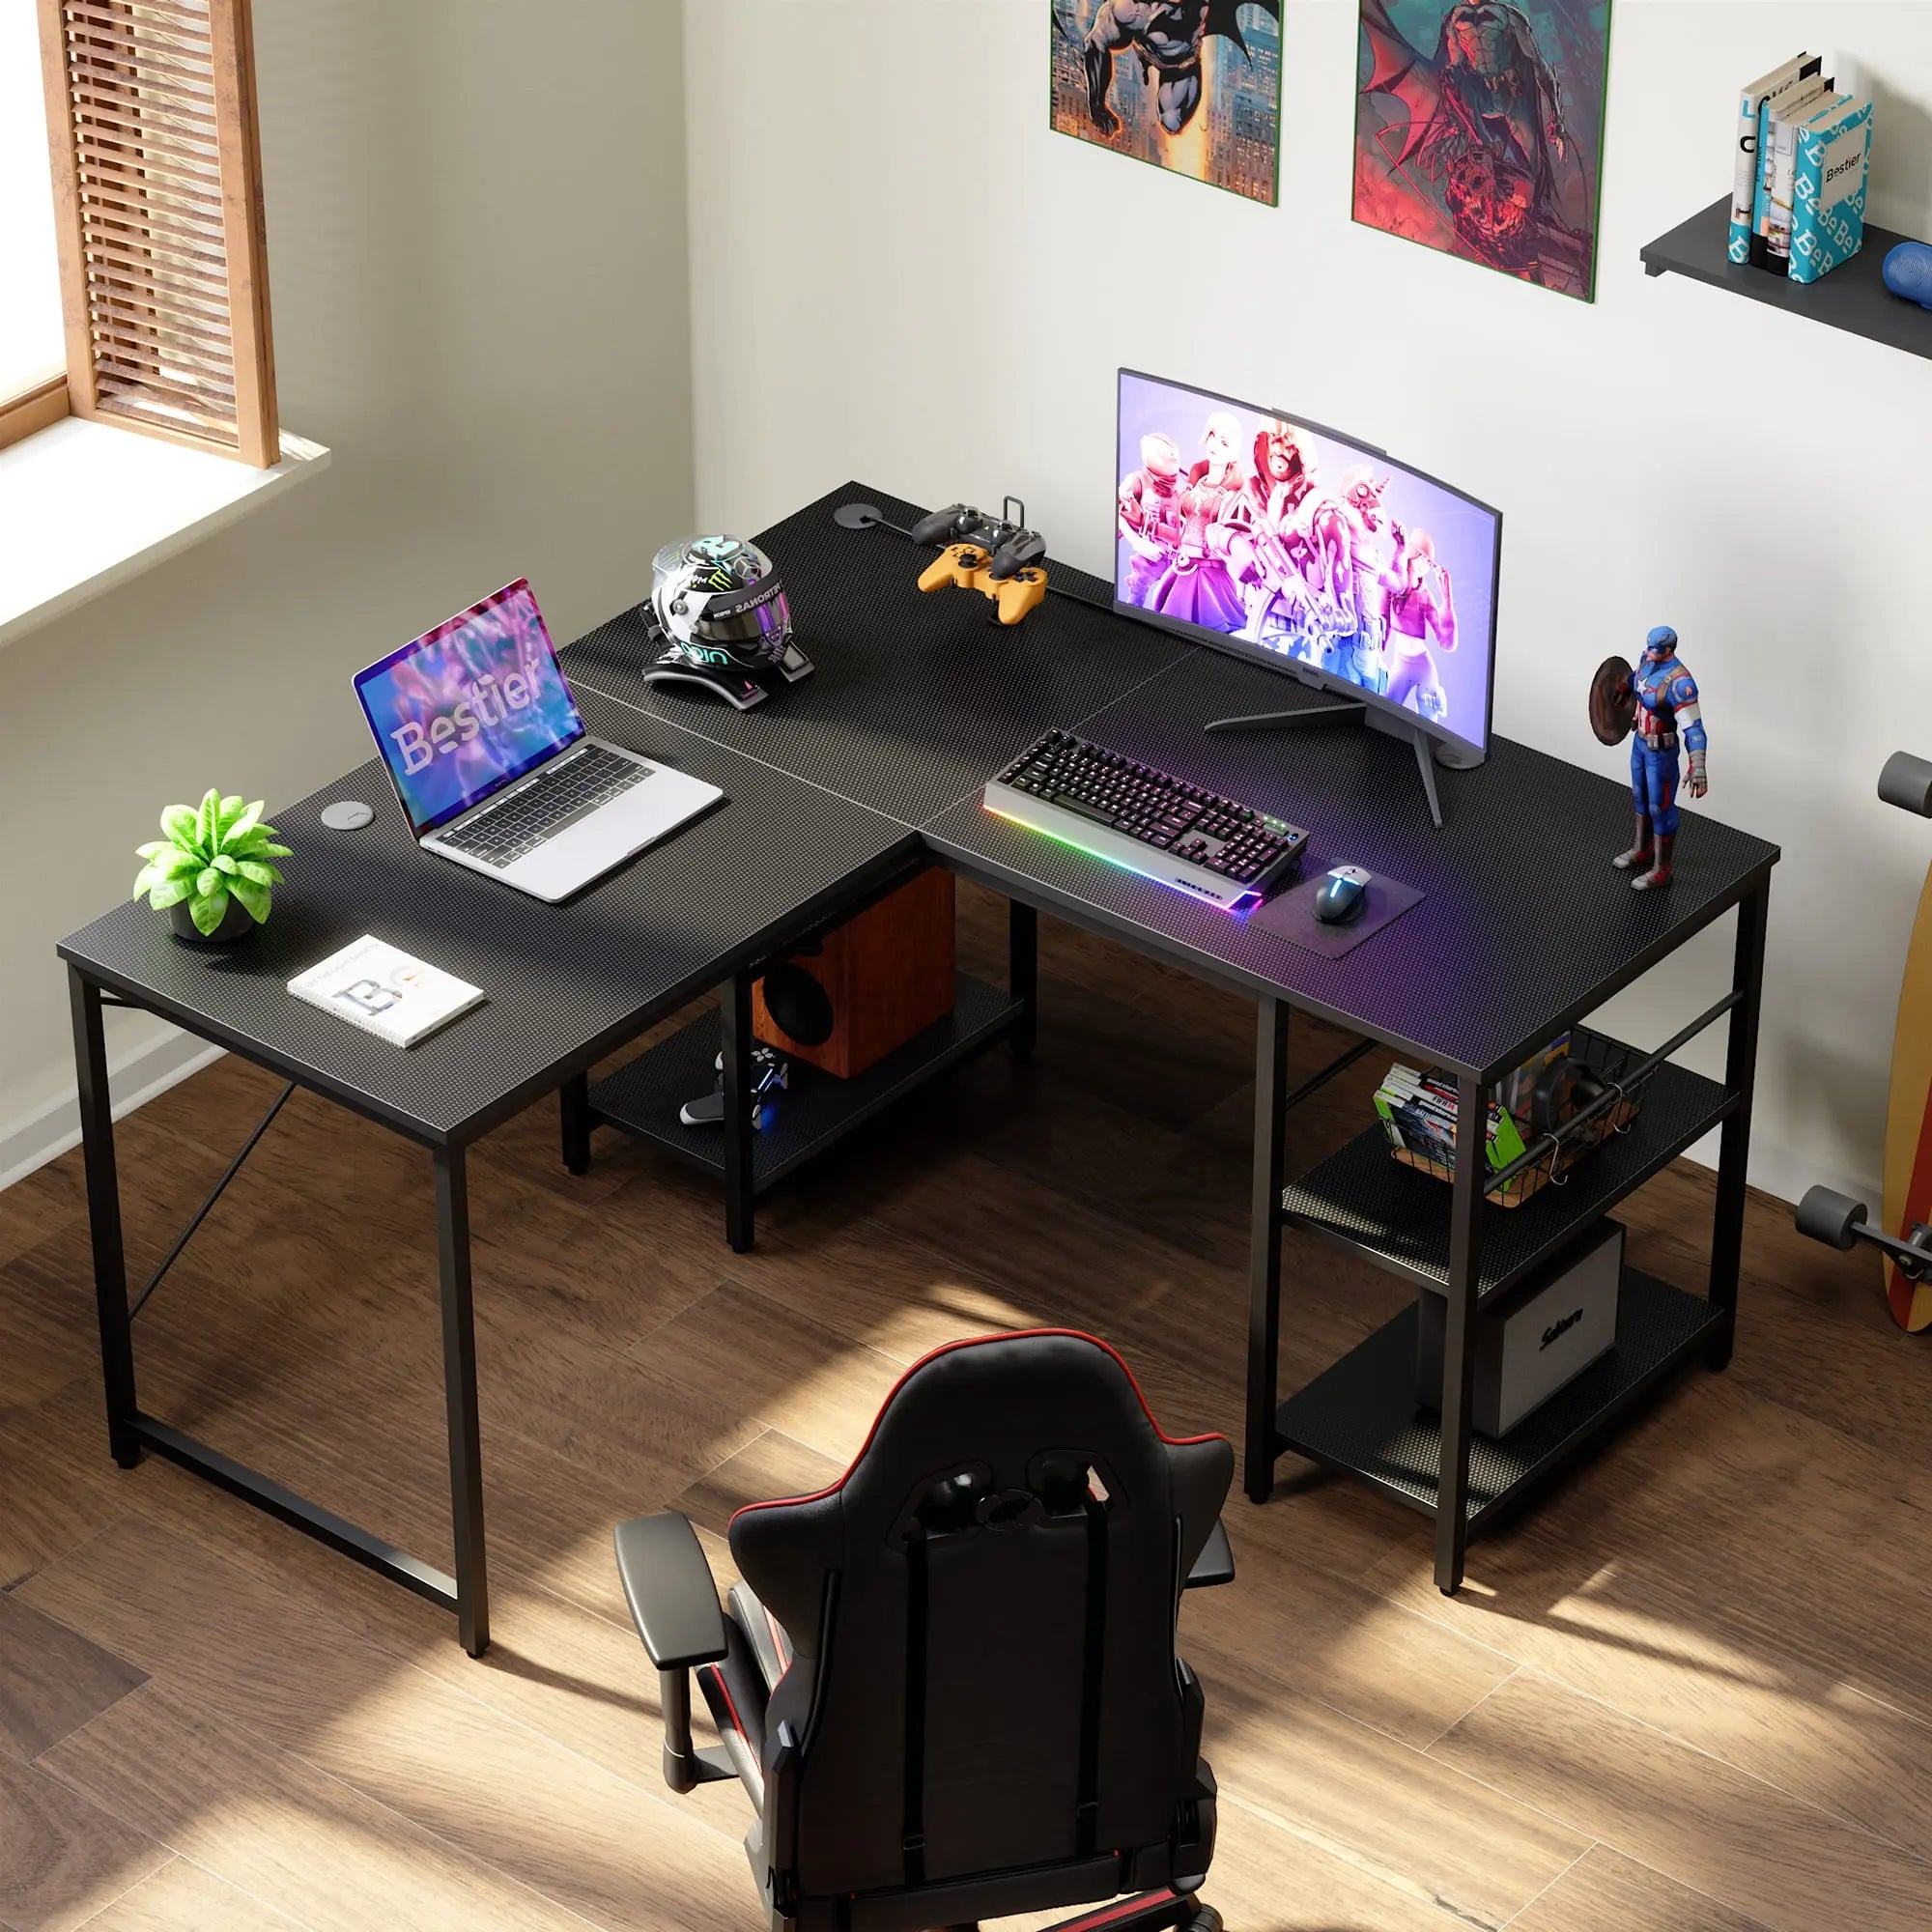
1278,541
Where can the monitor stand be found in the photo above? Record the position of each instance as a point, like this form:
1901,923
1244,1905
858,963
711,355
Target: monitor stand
1333,713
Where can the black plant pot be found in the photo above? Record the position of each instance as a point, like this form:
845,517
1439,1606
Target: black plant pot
236,925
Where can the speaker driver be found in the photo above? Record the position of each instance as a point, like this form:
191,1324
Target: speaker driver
799,1005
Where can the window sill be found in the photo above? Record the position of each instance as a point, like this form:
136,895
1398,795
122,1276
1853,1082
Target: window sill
85,506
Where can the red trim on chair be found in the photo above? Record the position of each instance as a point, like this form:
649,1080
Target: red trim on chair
1111,1914
730,1703
978,1341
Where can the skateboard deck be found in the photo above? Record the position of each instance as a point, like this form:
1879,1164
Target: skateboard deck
1908,1123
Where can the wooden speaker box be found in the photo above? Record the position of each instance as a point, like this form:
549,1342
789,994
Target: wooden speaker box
886,974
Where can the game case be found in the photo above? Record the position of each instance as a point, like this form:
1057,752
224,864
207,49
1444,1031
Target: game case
385,991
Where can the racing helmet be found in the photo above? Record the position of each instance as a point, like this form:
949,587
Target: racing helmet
719,601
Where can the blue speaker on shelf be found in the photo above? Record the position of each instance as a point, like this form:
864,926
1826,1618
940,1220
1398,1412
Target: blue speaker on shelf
1907,271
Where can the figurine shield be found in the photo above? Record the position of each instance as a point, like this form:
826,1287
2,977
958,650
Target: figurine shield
1612,700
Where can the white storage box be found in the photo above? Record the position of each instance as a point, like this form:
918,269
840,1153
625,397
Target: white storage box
1548,1336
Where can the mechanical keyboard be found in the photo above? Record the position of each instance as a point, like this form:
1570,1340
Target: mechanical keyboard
1148,820
566,790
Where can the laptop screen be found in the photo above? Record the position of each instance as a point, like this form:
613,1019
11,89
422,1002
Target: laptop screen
470,706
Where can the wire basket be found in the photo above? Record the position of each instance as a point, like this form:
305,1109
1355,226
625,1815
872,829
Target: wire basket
1572,1142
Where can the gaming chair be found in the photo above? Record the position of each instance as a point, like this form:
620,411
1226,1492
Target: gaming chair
949,1682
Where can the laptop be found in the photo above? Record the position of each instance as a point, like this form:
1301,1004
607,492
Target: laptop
493,765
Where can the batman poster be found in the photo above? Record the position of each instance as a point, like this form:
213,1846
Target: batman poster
1189,85
1479,130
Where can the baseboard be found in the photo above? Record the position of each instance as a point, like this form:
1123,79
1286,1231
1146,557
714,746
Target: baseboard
134,1078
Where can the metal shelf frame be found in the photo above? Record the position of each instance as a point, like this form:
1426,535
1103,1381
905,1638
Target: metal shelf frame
817,1110
1361,1415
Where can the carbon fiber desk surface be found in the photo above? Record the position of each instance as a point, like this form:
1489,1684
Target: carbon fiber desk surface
835,787
1524,927
918,700
918,697
565,984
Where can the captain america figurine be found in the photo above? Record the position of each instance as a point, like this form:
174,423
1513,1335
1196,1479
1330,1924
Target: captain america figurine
1662,696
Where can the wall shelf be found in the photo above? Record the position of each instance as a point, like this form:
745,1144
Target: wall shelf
1853,298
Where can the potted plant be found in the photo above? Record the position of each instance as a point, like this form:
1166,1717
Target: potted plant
212,872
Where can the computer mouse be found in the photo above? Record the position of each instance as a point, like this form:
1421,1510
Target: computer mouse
1344,895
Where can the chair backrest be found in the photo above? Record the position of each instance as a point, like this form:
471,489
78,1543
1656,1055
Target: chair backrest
982,1613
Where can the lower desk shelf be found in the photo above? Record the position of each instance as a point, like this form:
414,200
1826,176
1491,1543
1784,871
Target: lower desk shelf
816,1110
1361,1415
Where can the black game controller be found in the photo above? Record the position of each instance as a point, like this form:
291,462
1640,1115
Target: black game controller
1007,541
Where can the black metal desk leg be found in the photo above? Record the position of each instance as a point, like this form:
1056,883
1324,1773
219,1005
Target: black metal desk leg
1265,1245
1458,1354
103,1217
458,1383
573,1102
1023,972
1727,1232
740,1174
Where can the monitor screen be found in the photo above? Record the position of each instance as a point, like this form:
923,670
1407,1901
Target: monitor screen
468,706
1286,543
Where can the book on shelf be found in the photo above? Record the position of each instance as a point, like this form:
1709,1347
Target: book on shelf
1786,129
1516,1090
1418,1112
385,991
1828,212
1777,152
1751,103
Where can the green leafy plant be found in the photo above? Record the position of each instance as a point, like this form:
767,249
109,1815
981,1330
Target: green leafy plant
211,854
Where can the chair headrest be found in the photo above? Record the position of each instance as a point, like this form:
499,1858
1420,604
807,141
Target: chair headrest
998,1429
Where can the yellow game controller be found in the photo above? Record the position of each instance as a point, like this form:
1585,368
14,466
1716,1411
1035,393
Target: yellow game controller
967,567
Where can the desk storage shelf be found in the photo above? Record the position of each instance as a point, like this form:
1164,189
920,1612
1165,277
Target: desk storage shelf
1853,298
816,1111
1399,1218
1362,1416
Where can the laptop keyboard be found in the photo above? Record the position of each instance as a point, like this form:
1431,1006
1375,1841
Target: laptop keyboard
578,785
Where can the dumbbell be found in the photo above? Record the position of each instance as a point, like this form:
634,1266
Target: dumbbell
1839,1222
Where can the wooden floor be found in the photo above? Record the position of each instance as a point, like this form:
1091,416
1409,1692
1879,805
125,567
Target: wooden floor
1691,1693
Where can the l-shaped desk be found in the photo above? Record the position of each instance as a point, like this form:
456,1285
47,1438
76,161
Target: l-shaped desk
842,786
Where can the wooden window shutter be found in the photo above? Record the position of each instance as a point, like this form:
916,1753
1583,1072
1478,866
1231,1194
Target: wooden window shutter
156,171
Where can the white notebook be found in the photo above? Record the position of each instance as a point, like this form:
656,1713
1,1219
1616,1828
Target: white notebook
385,990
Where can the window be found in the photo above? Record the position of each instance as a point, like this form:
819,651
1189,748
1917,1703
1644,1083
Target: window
150,185
33,348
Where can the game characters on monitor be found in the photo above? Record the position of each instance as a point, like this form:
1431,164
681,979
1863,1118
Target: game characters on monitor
1255,544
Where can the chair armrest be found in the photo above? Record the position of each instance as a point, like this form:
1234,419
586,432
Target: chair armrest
1216,1564
667,1584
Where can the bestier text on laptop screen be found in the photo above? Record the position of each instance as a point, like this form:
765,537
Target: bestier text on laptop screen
468,706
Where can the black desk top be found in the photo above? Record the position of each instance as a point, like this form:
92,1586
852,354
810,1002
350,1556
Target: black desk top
565,983
918,700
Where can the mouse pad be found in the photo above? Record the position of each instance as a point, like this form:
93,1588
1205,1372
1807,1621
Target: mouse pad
1291,915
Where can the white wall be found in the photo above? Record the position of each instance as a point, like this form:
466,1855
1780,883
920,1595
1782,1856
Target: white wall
1670,454
476,252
